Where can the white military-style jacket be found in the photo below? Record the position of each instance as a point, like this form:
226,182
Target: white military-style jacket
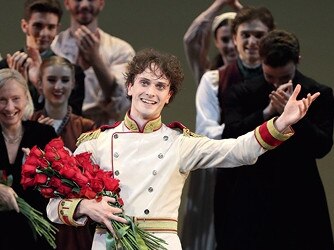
152,166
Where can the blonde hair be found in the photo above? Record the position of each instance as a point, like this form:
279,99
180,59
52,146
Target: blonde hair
11,74
57,60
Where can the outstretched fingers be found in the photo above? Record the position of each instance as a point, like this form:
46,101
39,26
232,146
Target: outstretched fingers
308,100
295,92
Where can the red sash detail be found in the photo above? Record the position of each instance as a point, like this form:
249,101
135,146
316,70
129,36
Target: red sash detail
267,137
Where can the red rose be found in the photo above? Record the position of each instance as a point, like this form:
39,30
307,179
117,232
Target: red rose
28,170
70,161
103,174
111,184
43,163
68,172
35,161
57,165
88,174
56,143
55,182
35,151
64,190
27,182
51,156
40,179
47,192
63,153
83,157
32,159
96,185
87,192
80,179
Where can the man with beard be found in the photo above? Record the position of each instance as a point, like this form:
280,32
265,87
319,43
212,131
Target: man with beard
103,58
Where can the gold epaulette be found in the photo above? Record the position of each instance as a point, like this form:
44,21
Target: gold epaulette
93,134
186,131
88,136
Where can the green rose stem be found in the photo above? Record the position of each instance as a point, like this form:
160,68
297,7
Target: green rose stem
40,225
130,236
125,235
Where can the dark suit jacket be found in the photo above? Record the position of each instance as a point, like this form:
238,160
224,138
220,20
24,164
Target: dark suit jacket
279,202
15,230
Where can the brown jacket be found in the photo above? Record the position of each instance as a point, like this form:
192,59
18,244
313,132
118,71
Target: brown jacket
75,126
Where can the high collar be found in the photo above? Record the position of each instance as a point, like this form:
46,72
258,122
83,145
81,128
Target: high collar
149,127
249,73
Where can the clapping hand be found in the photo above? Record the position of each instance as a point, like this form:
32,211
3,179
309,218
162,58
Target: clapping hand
45,120
88,43
280,97
18,61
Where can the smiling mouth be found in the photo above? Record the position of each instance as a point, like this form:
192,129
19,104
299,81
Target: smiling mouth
10,115
148,101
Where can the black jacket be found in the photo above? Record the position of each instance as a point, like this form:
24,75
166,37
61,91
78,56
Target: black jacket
279,202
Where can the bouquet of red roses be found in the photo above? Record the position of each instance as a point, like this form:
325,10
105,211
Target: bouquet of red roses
57,173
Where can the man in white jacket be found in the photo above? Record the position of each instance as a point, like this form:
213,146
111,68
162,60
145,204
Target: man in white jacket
152,160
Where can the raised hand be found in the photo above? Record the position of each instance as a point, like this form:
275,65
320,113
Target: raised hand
18,61
295,109
235,4
27,64
89,44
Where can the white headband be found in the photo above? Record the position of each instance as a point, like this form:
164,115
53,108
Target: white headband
219,19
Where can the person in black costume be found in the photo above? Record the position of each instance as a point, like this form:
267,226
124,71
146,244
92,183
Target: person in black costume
279,203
